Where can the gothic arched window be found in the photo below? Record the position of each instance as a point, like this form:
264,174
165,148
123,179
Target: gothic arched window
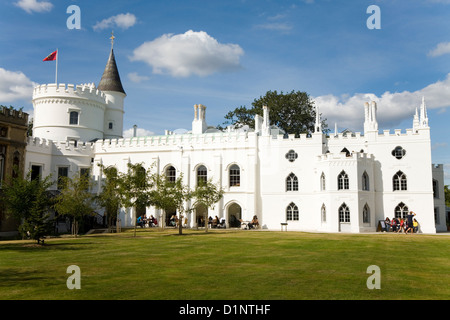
343,181
292,183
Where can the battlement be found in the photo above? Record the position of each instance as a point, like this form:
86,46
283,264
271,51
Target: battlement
187,141
13,116
47,146
87,91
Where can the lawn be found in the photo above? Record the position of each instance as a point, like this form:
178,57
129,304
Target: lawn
228,265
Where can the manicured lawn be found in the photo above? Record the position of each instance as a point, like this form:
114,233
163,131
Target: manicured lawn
229,265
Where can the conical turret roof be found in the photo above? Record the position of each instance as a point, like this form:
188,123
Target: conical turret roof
111,80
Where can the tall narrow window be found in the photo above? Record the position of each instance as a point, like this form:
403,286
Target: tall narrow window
401,210
2,163
292,212
366,214
344,213
365,182
322,182
171,174
73,117
343,181
435,189
235,176
36,172
202,174
63,172
323,213
399,181
292,183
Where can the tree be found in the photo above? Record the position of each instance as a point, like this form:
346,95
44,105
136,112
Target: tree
169,194
135,187
447,196
292,112
208,194
75,200
29,202
110,197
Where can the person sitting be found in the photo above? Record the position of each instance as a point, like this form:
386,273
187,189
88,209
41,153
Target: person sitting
388,224
415,226
140,221
254,224
172,221
215,222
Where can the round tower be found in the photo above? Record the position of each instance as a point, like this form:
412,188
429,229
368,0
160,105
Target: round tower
68,113
111,86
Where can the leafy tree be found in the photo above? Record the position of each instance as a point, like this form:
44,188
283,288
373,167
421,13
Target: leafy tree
447,196
135,187
110,197
75,200
29,202
208,194
292,112
169,194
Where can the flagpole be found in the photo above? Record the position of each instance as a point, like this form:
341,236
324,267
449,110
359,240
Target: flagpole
56,74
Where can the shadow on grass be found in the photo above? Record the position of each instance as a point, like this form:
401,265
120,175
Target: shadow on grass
12,277
32,247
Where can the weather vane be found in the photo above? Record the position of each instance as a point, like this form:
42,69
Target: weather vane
112,38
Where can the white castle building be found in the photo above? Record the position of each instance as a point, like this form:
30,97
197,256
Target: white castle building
336,183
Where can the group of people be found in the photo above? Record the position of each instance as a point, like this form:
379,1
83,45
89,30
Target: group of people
216,222
143,221
254,224
408,224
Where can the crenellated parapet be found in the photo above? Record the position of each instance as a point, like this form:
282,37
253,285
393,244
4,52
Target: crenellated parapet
49,146
11,115
58,93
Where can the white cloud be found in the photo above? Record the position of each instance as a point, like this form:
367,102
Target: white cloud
441,49
191,53
34,5
123,21
14,85
135,77
282,26
393,108
139,133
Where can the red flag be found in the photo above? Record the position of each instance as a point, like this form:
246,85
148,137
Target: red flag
51,56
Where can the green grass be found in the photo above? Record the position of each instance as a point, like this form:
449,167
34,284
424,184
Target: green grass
228,264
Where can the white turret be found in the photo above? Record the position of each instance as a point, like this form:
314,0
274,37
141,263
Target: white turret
199,125
370,122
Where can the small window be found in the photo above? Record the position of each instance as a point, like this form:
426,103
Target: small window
401,211
291,155
343,183
171,174
399,152
292,183
292,212
202,174
36,172
344,213
322,182
435,189
399,181
323,213
63,172
110,126
365,182
235,176
73,117
366,214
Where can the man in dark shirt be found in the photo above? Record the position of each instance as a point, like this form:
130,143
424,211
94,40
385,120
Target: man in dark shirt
409,219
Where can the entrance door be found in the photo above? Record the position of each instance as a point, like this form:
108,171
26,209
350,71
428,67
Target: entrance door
234,215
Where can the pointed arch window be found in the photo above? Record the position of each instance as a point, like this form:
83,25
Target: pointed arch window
399,181
365,182
344,213
292,183
292,212
323,213
322,182
366,214
343,183
401,210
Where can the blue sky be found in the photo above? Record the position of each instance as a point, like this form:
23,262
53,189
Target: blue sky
173,54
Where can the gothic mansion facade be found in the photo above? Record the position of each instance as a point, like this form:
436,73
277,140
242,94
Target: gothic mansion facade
336,183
